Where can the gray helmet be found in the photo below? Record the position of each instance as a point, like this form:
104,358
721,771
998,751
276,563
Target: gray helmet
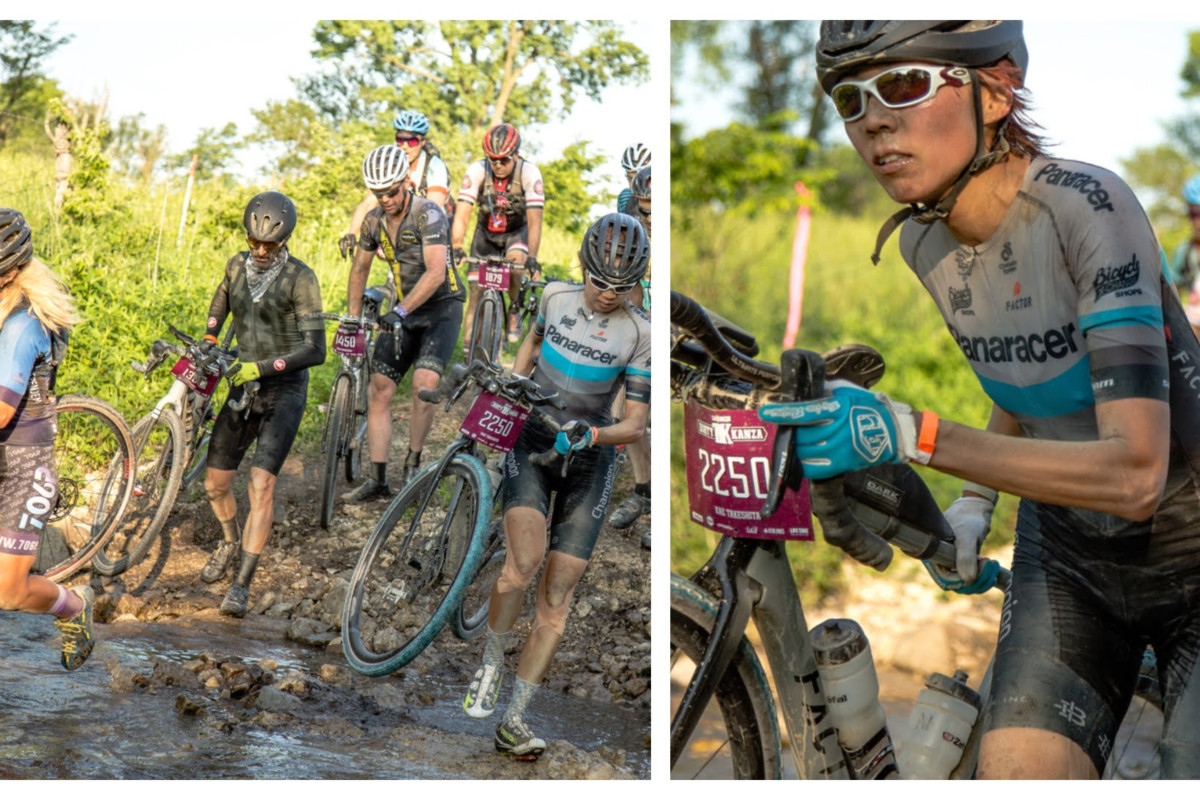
16,240
616,249
845,46
640,187
384,167
270,217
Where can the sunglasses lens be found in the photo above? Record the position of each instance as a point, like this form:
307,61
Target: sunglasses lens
848,100
904,87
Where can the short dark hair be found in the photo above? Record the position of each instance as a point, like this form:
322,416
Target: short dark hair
1021,131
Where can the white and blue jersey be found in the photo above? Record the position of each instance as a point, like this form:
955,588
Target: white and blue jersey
25,365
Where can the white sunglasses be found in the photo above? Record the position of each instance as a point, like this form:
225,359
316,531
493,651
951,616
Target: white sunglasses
899,87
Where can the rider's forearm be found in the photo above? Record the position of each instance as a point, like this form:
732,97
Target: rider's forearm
627,430
310,353
526,354
218,310
356,284
533,218
458,230
360,213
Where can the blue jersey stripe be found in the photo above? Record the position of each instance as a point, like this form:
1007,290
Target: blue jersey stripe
560,362
1065,394
1150,315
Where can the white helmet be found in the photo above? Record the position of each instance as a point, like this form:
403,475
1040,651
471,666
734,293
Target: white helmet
385,166
635,157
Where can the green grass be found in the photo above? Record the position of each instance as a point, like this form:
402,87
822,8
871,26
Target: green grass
740,269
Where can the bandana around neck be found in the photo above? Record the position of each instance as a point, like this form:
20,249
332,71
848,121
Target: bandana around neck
260,279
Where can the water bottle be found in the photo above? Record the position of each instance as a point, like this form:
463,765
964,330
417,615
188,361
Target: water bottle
938,728
852,697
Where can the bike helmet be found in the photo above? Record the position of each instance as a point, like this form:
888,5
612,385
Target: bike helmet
845,46
641,184
16,240
1191,191
384,167
636,156
848,45
616,249
270,217
501,141
410,120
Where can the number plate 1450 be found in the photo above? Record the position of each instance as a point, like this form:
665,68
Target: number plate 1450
728,474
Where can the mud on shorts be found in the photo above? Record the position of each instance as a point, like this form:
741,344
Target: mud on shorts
427,342
272,420
1075,624
580,499
28,493
487,245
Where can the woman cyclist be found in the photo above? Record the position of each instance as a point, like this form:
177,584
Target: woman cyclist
1051,282
35,314
588,342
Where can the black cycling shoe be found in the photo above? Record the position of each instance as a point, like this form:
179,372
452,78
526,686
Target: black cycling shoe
370,489
219,562
236,602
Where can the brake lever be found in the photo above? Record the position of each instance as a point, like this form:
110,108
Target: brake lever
802,377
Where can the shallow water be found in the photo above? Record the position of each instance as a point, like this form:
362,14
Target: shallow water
58,724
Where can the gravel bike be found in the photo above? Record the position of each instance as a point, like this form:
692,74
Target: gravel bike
344,436
488,333
751,495
94,456
171,442
435,536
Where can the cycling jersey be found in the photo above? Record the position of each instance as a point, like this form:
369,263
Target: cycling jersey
1065,306
277,330
423,224
27,365
587,356
625,202
505,202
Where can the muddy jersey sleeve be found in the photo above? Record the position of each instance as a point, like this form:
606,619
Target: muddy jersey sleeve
432,225
369,231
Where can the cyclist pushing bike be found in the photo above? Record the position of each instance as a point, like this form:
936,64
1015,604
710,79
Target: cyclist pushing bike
588,342
413,235
275,301
1050,279
35,315
511,198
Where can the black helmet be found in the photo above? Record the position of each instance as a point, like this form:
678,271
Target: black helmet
16,240
640,187
616,249
848,45
501,141
270,217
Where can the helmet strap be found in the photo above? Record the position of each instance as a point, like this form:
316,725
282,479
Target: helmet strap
984,158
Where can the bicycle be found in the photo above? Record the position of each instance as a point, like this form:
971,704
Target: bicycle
344,435
488,323
94,457
748,576
170,442
529,297
440,531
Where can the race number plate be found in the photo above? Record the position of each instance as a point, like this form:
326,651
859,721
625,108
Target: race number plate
351,345
203,382
493,276
728,473
494,421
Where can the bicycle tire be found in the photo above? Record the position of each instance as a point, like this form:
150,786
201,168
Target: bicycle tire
199,462
472,617
159,445
332,445
403,591
93,454
356,445
751,746
486,333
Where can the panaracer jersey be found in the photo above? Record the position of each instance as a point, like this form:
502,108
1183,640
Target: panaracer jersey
587,356
424,224
27,380
1066,305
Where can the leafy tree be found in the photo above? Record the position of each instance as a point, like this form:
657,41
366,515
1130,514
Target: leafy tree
136,150
23,91
216,151
569,209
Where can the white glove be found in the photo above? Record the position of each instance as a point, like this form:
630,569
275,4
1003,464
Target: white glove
971,519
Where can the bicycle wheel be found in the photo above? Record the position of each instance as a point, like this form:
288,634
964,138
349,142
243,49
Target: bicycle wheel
471,619
408,583
357,425
93,453
336,423
488,328
743,740
159,444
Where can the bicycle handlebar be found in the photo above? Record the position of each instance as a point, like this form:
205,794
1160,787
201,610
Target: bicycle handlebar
864,532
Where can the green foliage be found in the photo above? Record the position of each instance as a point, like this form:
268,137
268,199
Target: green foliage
214,150
23,89
571,178
846,299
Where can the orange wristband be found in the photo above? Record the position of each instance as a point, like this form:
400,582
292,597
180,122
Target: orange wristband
927,437
208,337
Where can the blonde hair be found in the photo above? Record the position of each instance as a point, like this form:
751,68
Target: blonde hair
48,299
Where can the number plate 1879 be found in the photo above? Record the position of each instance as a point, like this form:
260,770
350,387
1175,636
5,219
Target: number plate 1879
728,474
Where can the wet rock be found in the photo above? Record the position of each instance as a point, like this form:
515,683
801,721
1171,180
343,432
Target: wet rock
293,683
271,698
167,673
338,729
310,631
124,679
187,707
334,674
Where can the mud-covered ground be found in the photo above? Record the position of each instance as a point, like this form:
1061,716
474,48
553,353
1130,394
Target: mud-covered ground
297,597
